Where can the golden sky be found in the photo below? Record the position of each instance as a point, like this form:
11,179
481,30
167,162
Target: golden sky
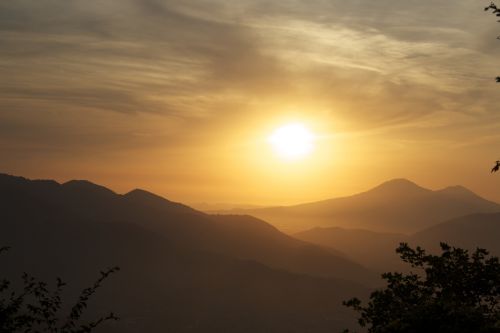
180,96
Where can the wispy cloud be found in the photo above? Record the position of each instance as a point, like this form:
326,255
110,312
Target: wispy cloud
137,73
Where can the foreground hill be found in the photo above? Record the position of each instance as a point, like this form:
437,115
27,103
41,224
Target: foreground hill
182,270
162,287
397,206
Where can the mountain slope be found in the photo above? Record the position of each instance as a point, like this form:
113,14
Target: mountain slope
375,250
182,225
181,271
279,250
398,206
162,287
471,231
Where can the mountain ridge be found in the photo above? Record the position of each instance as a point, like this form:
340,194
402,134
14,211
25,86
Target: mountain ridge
378,250
184,226
469,231
397,205
182,270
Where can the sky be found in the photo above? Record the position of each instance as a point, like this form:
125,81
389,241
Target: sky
179,97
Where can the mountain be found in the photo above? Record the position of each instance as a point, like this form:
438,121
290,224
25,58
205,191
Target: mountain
182,270
264,243
396,206
375,250
184,226
162,287
471,231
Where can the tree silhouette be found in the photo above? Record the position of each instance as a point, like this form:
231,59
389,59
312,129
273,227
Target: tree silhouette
38,309
455,292
496,167
496,11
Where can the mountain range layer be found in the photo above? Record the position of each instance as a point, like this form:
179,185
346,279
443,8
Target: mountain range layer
396,206
181,270
188,271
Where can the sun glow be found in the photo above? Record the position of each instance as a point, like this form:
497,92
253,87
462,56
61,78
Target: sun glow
292,141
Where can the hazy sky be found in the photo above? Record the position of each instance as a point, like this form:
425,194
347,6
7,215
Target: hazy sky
179,96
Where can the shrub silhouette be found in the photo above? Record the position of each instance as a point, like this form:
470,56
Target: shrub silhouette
453,292
38,309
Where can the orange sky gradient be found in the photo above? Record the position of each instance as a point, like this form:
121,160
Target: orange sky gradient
180,97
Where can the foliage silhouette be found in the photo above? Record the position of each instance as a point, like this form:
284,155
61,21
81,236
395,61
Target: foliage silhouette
455,292
38,309
496,167
496,11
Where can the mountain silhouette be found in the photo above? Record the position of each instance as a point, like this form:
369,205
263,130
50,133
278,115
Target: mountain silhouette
184,226
396,206
374,250
470,232
377,250
182,270
268,245
86,187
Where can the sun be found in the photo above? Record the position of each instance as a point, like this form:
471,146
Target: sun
292,141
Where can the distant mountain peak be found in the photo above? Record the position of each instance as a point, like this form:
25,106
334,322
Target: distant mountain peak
85,185
399,185
457,189
143,194
6,178
399,181
146,197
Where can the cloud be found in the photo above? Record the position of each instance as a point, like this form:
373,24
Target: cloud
139,56
372,63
